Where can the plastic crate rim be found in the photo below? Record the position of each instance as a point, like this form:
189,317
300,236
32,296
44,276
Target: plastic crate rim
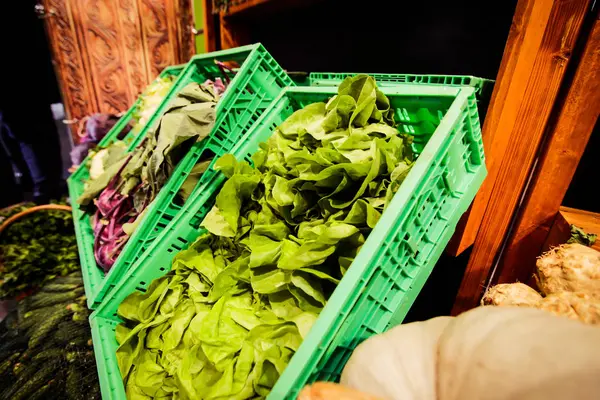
400,89
478,83
326,319
170,68
225,52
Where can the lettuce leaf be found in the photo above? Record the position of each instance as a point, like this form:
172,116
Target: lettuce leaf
237,303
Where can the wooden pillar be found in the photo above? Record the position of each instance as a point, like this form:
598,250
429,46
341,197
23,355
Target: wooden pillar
210,28
233,32
568,137
538,50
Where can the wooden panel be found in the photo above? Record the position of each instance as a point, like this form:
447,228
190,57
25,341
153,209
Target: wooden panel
100,32
241,6
106,51
159,34
518,118
78,94
560,230
210,32
233,32
185,21
133,52
253,8
568,137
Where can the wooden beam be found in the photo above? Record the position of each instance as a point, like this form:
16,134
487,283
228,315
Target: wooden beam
210,32
560,231
568,137
235,20
528,87
243,6
184,24
234,32
254,8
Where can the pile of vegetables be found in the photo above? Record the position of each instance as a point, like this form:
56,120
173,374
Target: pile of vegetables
98,125
150,99
228,317
128,182
568,278
8,212
492,352
46,348
35,248
511,294
102,159
569,268
496,353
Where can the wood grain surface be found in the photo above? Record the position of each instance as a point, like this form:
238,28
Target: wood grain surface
107,51
560,231
568,136
77,91
99,23
545,32
159,33
134,59
184,22
210,26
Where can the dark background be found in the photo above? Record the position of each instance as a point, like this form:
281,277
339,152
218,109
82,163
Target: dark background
583,186
421,37
28,87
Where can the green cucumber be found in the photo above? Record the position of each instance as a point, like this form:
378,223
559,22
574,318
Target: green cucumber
47,326
38,380
59,287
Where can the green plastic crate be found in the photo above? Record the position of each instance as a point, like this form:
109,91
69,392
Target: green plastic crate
113,135
480,85
395,261
75,184
255,84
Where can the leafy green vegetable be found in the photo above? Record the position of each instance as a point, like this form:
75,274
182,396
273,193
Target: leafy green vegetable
8,212
132,181
150,100
35,248
44,354
201,331
578,235
193,178
191,115
228,317
105,158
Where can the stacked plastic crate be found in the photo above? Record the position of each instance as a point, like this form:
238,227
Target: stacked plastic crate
393,264
254,85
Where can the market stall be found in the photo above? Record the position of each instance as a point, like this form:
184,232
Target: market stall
234,230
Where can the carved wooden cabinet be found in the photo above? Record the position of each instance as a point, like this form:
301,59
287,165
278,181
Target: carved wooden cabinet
106,51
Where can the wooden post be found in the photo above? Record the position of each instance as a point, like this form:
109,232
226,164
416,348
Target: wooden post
542,37
233,32
210,33
568,137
